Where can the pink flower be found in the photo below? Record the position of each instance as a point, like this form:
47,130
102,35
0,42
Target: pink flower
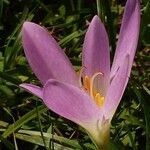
90,104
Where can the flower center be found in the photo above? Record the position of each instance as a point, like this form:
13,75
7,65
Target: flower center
88,85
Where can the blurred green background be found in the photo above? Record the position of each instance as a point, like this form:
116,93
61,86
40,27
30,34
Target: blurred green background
25,123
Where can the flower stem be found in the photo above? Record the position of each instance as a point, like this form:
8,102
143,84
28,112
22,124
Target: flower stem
98,7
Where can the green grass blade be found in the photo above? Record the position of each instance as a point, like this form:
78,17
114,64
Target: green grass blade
144,98
10,78
59,141
71,37
24,119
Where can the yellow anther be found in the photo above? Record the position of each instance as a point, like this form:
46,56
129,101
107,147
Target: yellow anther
99,100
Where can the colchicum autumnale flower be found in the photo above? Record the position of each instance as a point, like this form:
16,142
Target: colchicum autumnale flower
92,102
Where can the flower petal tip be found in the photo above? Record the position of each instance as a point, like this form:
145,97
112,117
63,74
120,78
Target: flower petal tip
96,17
96,20
36,90
27,24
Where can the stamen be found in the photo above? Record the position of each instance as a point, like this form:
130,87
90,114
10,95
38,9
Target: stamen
87,83
92,83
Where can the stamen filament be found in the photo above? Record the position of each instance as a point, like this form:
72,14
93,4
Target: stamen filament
92,83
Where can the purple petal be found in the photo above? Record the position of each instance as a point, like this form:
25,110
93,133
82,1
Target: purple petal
36,90
116,89
45,56
96,51
128,37
70,102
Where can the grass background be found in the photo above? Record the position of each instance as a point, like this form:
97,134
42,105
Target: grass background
25,124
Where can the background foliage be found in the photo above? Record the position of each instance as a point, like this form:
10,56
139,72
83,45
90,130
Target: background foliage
24,122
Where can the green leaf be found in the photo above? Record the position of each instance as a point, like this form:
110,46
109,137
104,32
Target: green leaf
71,37
9,78
11,51
24,119
144,98
145,28
58,141
7,91
62,10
